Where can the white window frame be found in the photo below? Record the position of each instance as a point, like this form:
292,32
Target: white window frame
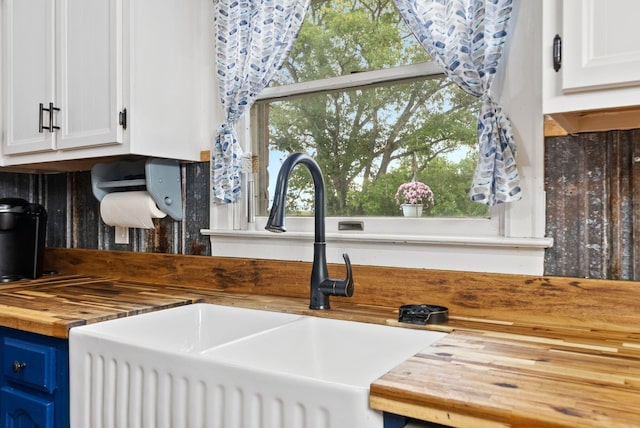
512,241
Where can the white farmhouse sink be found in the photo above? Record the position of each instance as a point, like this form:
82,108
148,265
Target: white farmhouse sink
188,329
212,366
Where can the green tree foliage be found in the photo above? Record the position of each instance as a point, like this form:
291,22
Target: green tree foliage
340,37
448,180
365,139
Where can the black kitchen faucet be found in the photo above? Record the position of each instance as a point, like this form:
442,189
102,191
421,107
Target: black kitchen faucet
321,285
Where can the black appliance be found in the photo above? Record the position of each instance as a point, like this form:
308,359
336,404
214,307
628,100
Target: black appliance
22,236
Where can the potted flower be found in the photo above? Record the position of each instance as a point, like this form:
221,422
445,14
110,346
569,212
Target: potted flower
413,197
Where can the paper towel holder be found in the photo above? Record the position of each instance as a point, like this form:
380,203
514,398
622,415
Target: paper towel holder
159,177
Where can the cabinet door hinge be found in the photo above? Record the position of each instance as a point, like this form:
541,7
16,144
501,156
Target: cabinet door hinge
557,53
123,118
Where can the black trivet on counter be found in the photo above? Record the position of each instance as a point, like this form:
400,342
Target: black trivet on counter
423,314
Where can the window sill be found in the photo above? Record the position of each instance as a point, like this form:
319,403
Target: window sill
477,254
484,241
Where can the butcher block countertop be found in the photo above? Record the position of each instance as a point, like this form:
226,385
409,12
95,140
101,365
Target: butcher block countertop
491,379
522,351
51,305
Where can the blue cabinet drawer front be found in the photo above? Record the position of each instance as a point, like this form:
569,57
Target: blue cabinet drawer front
20,409
29,364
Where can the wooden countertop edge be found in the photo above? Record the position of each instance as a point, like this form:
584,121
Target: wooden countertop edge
380,400
459,414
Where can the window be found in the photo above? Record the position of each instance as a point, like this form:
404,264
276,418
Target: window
348,96
508,238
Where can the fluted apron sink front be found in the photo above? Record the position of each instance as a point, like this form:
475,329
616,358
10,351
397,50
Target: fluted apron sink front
224,367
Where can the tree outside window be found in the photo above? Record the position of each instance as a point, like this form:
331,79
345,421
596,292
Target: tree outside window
367,139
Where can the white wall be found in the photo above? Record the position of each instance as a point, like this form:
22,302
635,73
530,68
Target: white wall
522,99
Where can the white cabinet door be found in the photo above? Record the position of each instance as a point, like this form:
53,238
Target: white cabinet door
86,73
154,58
600,44
28,34
60,53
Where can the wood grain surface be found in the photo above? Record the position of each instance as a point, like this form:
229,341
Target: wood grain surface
51,305
524,351
532,300
486,379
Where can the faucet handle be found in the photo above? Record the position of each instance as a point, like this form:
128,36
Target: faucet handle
339,287
348,292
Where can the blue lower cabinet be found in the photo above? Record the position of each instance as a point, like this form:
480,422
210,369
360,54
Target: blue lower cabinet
398,421
34,384
24,410
394,421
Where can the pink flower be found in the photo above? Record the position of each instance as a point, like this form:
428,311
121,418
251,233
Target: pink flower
414,192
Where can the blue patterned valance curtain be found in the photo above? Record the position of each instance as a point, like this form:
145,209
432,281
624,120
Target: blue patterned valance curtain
466,37
252,40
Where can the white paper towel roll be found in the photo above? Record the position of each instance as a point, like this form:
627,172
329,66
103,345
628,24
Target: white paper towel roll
130,209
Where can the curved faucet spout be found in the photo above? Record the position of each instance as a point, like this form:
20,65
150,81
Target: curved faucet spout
321,285
276,222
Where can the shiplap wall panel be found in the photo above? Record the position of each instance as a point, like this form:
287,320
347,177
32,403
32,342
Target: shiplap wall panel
592,182
196,215
23,186
55,198
74,213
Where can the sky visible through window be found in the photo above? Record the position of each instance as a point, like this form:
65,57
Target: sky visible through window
369,140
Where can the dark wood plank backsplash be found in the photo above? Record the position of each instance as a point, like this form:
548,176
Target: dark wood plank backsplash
592,182
74,213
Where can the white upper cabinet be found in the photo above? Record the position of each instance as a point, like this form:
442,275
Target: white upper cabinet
60,81
87,91
114,77
600,58
28,70
601,47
